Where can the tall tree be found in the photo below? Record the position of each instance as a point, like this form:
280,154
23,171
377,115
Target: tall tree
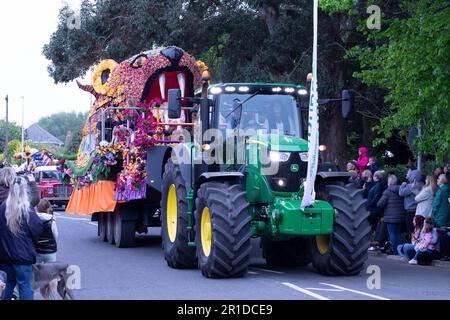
410,58
15,133
59,124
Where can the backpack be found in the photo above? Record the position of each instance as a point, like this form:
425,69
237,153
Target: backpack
47,243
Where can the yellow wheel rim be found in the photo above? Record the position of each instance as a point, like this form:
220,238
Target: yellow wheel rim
206,232
323,244
172,213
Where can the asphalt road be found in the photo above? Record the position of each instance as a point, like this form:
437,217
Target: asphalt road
141,273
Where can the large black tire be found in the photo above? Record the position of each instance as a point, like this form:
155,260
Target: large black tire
344,252
229,245
124,231
110,225
176,251
290,253
102,224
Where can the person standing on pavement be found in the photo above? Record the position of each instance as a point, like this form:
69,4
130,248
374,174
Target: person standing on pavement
7,176
394,212
437,172
366,182
441,206
20,228
408,191
373,165
373,196
425,197
446,171
47,244
362,161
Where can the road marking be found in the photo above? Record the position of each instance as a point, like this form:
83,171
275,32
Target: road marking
267,270
252,272
355,291
93,224
304,291
325,289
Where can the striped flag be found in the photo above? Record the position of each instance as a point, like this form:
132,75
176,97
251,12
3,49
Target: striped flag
313,126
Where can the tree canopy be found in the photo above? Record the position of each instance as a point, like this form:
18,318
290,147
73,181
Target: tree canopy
59,124
271,40
410,57
15,133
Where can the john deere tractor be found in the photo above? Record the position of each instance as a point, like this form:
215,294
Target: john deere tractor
245,179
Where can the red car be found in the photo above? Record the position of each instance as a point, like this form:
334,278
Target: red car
48,180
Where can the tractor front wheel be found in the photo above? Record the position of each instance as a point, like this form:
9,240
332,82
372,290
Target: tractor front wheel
174,220
223,233
344,252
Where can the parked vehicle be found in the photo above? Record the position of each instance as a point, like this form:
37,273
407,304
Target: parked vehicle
49,184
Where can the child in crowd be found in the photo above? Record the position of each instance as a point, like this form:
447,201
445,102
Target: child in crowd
426,242
46,246
415,238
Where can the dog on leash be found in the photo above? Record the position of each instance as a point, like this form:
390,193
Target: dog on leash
52,278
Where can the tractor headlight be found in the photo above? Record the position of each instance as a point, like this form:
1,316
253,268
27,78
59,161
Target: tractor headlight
303,92
278,156
216,90
304,156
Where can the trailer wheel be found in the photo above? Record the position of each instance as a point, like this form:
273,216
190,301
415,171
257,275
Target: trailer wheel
344,252
290,253
223,230
102,227
124,231
110,225
174,220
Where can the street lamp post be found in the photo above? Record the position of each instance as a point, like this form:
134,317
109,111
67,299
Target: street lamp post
6,131
23,128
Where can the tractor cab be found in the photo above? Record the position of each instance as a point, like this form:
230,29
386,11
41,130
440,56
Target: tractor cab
259,107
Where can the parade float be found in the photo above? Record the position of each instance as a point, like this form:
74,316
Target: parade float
128,117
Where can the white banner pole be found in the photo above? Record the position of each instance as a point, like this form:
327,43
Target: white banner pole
313,125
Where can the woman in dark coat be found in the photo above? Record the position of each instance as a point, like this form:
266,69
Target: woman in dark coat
374,195
394,211
20,228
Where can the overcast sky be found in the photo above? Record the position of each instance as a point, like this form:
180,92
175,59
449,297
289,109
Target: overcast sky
25,26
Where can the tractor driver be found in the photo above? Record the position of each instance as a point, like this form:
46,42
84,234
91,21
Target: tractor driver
278,120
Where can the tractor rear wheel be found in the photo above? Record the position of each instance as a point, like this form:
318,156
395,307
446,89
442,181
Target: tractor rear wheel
344,252
290,253
174,220
223,232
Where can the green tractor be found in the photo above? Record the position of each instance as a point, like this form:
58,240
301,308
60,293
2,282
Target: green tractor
243,177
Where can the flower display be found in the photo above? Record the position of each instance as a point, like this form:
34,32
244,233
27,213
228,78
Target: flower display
124,160
101,76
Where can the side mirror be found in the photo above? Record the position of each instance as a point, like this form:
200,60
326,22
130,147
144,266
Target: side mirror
348,103
174,103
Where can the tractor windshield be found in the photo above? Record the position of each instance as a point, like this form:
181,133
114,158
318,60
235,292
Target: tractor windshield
273,113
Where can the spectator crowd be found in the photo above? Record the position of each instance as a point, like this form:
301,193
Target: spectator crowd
408,218
28,234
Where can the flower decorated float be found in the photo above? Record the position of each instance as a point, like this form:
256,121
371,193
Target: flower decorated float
127,119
